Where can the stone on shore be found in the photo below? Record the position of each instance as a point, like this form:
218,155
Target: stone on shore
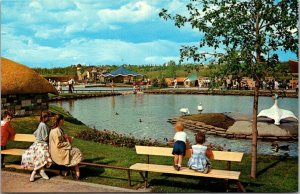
264,129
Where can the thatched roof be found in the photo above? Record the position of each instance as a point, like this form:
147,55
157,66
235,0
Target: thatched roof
19,79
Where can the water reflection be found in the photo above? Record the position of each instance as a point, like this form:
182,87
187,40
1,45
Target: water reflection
59,103
113,103
71,104
134,101
155,110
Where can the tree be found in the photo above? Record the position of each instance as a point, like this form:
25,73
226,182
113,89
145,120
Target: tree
171,69
248,32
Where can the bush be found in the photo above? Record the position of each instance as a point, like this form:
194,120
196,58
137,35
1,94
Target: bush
113,138
155,83
163,83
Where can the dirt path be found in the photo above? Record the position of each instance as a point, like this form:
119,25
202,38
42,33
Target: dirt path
19,182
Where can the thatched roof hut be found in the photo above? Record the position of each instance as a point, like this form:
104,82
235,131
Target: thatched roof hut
20,79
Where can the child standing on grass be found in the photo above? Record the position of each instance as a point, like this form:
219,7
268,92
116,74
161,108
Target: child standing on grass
200,153
179,147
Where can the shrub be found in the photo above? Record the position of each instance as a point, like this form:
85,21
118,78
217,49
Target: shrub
116,139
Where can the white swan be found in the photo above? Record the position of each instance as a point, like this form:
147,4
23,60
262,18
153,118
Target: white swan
276,113
185,111
200,108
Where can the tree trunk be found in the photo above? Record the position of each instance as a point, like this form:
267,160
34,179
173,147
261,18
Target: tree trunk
254,131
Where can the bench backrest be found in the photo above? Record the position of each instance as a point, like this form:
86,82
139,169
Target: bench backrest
165,151
24,137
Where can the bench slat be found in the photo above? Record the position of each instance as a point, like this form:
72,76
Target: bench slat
214,173
24,137
164,151
13,151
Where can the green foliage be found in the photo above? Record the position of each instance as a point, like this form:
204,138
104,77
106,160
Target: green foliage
111,137
155,83
57,71
163,83
244,28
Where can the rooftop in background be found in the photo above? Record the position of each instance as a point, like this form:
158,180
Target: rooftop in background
293,66
122,71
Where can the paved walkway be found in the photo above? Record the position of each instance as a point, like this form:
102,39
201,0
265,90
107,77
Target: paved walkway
19,182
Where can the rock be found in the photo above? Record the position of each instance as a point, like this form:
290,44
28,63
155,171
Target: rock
264,129
222,134
211,133
242,136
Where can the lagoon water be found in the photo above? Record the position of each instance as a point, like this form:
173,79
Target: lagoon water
146,115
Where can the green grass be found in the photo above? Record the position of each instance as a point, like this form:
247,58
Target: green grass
274,174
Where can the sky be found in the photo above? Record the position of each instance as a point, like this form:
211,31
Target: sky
59,33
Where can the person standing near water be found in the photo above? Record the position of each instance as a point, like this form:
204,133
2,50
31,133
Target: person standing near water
70,84
175,82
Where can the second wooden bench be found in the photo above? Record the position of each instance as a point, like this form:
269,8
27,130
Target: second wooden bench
227,174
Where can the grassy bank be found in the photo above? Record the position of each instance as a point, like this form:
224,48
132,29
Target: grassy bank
275,174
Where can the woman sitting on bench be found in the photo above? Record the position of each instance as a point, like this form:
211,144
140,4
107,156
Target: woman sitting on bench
37,155
61,150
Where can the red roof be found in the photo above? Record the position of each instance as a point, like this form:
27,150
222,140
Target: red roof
293,66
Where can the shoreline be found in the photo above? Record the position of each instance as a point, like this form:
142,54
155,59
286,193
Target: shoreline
290,94
75,96
180,91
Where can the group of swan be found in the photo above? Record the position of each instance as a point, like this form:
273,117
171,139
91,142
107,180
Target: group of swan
185,111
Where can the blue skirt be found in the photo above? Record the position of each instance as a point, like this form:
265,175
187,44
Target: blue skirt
179,148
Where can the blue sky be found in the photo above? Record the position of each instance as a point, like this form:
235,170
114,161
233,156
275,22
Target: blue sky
57,33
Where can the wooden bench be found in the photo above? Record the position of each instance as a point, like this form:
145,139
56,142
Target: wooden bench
31,138
227,174
18,151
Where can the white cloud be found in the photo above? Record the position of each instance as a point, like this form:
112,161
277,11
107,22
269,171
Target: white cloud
177,7
35,5
47,32
64,32
160,60
88,51
57,4
131,13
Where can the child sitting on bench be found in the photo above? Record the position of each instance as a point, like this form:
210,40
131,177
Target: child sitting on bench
200,153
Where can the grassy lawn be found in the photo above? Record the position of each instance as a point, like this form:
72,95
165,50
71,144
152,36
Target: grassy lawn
274,174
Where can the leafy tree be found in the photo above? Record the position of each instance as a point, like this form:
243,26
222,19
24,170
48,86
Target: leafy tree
163,83
248,32
171,69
